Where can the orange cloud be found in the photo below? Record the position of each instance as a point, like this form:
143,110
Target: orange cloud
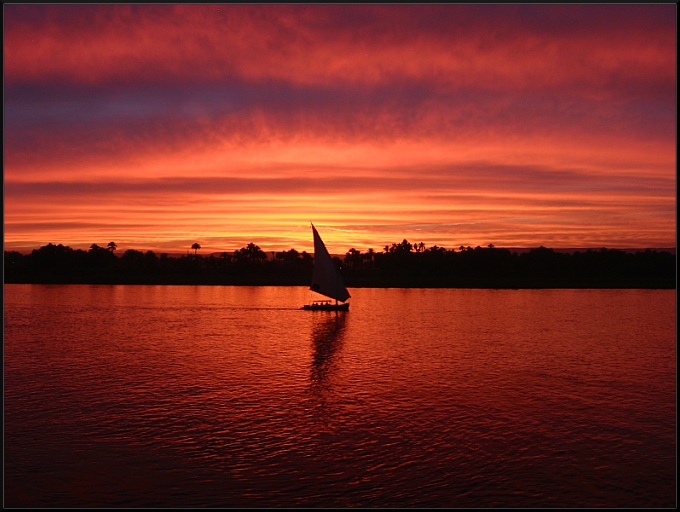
454,125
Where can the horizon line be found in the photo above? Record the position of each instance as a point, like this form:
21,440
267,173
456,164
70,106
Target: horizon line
180,252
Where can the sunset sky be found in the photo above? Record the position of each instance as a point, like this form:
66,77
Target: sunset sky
157,126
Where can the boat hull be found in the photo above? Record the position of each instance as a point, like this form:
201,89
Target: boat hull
326,307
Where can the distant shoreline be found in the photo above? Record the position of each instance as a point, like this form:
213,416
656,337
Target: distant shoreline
517,250
642,284
402,265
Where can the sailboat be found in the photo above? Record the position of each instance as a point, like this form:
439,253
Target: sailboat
326,280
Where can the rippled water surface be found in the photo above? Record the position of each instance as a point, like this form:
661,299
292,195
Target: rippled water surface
197,396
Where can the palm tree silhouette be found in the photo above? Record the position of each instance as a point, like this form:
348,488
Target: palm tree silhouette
196,247
112,246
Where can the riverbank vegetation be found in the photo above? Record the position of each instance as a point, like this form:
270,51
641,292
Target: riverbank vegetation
398,265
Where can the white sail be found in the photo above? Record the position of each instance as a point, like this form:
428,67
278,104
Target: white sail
326,278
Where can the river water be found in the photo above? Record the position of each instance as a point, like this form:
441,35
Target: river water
210,396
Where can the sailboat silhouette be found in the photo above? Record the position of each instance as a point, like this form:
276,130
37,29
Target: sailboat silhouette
326,280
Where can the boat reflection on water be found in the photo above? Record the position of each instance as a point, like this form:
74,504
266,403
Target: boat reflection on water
327,336
326,341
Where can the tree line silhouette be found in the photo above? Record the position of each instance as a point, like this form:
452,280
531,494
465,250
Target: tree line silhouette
397,265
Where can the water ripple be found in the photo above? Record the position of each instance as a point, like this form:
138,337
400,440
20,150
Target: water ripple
211,397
